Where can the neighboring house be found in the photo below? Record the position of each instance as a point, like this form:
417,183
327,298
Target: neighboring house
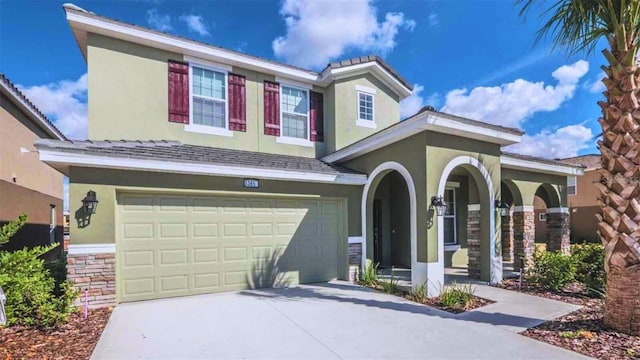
217,171
27,185
583,199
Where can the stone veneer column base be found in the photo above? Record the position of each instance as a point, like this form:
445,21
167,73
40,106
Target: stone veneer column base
97,274
473,241
355,261
622,303
524,237
507,238
558,232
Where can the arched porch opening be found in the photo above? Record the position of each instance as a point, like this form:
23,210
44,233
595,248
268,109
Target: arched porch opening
551,220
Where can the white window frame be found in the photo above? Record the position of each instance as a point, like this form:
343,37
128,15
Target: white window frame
575,185
52,223
364,122
542,216
205,129
290,139
454,216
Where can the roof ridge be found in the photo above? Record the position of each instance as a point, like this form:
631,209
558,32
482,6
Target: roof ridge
19,94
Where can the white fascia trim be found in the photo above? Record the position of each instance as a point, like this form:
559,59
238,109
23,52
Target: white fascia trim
558,210
83,160
374,68
473,207
367,123
510,162
453,184
86,249
145,37
366,89
288,81
355,240
209,130
212,64
26,108
525,208
422,122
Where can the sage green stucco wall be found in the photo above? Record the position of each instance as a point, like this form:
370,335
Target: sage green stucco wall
386,110
107,182
527,184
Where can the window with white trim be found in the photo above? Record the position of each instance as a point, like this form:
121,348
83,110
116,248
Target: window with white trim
542,217
294,105
52,223
365,106
450,231
572,185
208,97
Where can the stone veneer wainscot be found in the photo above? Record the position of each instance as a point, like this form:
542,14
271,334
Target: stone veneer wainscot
95,273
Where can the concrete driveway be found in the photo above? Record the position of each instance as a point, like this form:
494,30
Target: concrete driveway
321,321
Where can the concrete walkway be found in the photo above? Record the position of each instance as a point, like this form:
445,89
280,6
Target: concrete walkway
322,321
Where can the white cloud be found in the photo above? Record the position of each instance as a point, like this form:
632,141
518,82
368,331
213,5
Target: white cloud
161,22
196,24
512,103
595,85
433,19
562,143
416,101
65,102
317,33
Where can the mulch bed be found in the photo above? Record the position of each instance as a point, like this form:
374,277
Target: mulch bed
583,330
435,302
74,340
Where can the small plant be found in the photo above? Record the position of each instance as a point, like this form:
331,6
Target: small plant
551,270
390,286
457,295
577,334
589,263
370,274
420,293
11,228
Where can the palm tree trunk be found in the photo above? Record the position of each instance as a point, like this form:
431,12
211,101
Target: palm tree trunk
619,221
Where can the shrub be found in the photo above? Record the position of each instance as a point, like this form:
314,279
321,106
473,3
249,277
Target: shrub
390,286
30,289
457,295
420,293
9,229
551,270
370,274
589,263
58,270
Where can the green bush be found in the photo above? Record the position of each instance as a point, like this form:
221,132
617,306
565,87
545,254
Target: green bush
9,229
58,269
551,270
390,286
30,289
420,293
457,295
369,274
589,263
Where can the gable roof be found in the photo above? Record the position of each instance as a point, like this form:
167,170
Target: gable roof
23,102
83,21
590,162
537,164
173,156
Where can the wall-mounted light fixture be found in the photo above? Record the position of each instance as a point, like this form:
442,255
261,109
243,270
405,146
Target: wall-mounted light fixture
90,202
503,207
439,204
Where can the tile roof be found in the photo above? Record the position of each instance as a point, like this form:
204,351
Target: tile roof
337,64
541,160
23,98
164,150
369,58
591,161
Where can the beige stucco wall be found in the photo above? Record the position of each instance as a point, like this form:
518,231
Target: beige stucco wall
587,193
128,91
106,183
16,131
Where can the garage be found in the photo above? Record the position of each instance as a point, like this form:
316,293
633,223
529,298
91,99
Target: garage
181,244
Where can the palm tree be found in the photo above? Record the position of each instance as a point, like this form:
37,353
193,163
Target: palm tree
577,26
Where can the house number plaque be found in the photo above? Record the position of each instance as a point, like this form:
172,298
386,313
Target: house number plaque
251,183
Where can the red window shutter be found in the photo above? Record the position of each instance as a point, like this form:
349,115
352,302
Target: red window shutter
316,116
178,92
271,108
237,103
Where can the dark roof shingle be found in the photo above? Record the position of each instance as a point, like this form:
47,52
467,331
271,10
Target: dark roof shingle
542,160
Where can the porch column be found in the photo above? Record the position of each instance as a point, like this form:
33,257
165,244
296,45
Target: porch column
524,235
473,240
558,231
507,238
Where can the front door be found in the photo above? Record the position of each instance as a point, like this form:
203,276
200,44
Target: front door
377,231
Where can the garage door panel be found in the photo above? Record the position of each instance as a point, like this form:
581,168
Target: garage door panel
174,245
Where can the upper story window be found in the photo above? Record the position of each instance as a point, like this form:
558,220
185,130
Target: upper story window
572,185
450,221
366,106
208,97
295,112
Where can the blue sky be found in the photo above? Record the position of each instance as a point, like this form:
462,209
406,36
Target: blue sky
472,58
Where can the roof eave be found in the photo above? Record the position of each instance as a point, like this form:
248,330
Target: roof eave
331,74
510,162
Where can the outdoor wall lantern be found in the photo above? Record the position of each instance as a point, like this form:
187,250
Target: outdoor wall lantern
503,207
438,203
90,202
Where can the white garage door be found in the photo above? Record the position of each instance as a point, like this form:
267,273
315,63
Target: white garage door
174,245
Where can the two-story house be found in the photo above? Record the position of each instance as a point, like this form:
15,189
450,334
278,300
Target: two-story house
27,185
215,170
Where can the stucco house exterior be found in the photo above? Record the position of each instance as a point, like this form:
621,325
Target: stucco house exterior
217,170
582,198
27,185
